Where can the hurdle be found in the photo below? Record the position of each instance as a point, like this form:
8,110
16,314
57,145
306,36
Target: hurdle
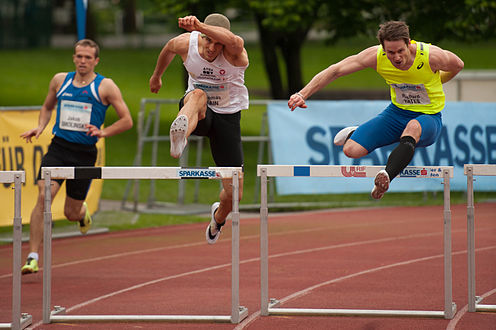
474,302
269,307
58,315
19,320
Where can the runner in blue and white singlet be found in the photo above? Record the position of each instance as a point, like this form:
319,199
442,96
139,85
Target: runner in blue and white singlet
77,107
81,99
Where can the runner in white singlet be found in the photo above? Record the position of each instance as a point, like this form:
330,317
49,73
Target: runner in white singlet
216,61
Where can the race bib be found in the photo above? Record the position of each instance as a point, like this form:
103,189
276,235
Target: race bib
409,94
74,115
217,95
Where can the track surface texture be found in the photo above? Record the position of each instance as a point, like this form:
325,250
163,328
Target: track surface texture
374,258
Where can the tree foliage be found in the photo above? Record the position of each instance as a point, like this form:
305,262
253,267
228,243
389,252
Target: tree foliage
433,21
283,25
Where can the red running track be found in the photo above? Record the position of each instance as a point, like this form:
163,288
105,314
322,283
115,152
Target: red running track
376,258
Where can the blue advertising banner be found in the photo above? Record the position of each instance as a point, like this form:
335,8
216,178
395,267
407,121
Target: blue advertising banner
305,137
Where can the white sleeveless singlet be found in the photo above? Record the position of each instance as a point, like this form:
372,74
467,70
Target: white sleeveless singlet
222,81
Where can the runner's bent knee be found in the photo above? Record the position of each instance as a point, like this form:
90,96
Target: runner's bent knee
413,129
197,95
72,210
354,150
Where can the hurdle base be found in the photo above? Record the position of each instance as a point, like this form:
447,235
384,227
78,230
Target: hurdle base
274,303
481,307
243,313
485,308
58,316
26,320
356,312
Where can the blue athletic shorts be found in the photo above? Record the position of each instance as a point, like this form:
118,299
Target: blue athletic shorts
387,127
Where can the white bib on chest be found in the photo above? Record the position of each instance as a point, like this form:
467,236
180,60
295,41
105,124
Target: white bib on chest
75,115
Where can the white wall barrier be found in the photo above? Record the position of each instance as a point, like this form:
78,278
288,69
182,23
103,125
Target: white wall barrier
269,307
58,315
19,320
471,170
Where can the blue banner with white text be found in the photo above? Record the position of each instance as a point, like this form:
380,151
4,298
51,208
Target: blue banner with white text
305,137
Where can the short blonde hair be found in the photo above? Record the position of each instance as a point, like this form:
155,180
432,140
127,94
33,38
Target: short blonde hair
218,20
88,43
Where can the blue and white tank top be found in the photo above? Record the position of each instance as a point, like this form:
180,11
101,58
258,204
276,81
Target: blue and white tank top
76,107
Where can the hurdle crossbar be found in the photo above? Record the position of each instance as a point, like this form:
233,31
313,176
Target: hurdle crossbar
19,320
471,170
238,313
269,306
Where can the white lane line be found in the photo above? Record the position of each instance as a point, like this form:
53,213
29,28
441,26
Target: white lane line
293,296
452,324
227,240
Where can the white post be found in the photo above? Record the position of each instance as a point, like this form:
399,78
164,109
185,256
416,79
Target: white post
470,240
264,244
449,306
16,254
47,248
235,249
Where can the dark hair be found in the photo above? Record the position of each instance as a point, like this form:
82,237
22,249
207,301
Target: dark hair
88,43
393,31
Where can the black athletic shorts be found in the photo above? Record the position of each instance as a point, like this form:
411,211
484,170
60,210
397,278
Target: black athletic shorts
224,134
64,153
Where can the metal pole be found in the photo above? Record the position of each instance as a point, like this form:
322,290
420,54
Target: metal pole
16,254
139,152
264,242
448,293
235,249
181,188
272,189
261,149
471,240
47,248
156,126
199,152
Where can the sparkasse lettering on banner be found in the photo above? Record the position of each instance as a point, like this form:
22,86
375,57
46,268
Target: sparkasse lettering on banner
197,173
468,136
421,172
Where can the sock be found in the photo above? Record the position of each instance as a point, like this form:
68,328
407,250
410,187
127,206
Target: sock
33,255
400,157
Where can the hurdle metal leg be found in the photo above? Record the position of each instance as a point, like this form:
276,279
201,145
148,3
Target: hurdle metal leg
449,305
269,307
47,247
238,313
474,302
19,320
264,244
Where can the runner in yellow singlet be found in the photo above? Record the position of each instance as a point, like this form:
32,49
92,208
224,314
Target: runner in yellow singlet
415,72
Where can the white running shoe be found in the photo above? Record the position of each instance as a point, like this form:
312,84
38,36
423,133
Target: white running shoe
381,182
177,132
340,138
213,230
